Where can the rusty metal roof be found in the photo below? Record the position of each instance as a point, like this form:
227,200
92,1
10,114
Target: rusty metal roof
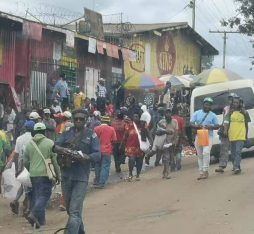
206,47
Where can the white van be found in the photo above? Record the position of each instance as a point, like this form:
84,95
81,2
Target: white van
219,93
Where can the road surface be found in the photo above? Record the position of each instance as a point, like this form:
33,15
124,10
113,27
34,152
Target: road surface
223,204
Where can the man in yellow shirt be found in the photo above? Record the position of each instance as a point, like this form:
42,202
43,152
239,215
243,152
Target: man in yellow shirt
78,98
236,128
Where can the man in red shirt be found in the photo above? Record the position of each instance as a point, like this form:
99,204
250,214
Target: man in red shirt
119,125
181,134
107,137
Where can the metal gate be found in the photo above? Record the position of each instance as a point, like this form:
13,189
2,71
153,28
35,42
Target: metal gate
38,87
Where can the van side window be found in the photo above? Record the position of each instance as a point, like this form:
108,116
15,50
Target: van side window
221,99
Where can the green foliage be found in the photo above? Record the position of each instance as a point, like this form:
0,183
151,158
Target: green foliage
244,20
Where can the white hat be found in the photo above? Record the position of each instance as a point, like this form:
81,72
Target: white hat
34,115
46,111
97,113
67,114
39,126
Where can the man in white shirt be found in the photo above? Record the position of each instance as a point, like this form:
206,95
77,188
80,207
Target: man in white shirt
19,150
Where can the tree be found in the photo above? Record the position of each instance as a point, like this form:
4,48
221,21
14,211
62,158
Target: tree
244,20
206,62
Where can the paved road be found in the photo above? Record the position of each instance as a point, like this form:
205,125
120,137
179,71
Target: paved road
223,204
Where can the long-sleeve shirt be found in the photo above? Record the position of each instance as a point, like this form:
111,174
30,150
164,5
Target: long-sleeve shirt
89,145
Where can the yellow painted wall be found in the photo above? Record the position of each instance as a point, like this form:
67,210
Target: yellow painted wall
187,54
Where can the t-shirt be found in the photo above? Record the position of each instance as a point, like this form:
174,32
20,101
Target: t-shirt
172,126
62,88
180,122
78,98
107,136
21,143
119,126
211,119
237,126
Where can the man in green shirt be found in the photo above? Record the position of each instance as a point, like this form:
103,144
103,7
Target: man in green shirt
34,163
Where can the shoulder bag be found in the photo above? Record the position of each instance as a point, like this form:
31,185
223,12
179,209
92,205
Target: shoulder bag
144,145
48,163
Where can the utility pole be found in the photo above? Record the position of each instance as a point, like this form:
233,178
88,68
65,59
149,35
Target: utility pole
193,6
224,43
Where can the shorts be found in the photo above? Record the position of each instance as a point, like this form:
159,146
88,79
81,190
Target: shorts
159,142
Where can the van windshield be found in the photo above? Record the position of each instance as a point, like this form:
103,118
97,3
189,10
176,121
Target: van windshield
221,99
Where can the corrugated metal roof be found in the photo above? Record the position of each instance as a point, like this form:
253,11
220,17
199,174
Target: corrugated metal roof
206,47
137,28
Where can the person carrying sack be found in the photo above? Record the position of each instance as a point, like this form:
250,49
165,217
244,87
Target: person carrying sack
204,121
41,163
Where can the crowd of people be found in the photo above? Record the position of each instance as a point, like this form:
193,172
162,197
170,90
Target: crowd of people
59,146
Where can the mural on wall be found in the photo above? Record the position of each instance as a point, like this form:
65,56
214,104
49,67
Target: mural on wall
171,53
166,54
139,65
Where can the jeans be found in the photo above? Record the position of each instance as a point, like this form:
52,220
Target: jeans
203,154
236,153
74,195
102,170
135,161
41,192
224,152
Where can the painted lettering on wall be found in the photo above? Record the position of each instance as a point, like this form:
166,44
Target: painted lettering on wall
166,54
139,65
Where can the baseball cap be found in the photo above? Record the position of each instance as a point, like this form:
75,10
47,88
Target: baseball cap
67,114
46,111
105,119
29,124
34,115
97,113
209,100
39,126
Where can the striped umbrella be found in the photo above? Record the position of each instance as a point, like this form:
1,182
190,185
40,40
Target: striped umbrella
143,81
215,75
176,81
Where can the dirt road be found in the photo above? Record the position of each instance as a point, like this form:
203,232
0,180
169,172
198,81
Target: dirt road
223,204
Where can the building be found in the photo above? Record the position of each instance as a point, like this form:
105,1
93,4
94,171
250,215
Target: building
167,48
32,55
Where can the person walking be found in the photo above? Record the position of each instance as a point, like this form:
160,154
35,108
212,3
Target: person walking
119,125
38,148
204,119
50,125
19,151
132,147
107,137
168,129
76,148
158,140
225,144
62,91
236,128
101,94
181,137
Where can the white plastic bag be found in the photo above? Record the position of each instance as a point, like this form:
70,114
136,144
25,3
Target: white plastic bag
10,185
24,178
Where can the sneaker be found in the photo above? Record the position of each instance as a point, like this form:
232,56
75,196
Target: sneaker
15,207
99,186
33,221
237,171
219,170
